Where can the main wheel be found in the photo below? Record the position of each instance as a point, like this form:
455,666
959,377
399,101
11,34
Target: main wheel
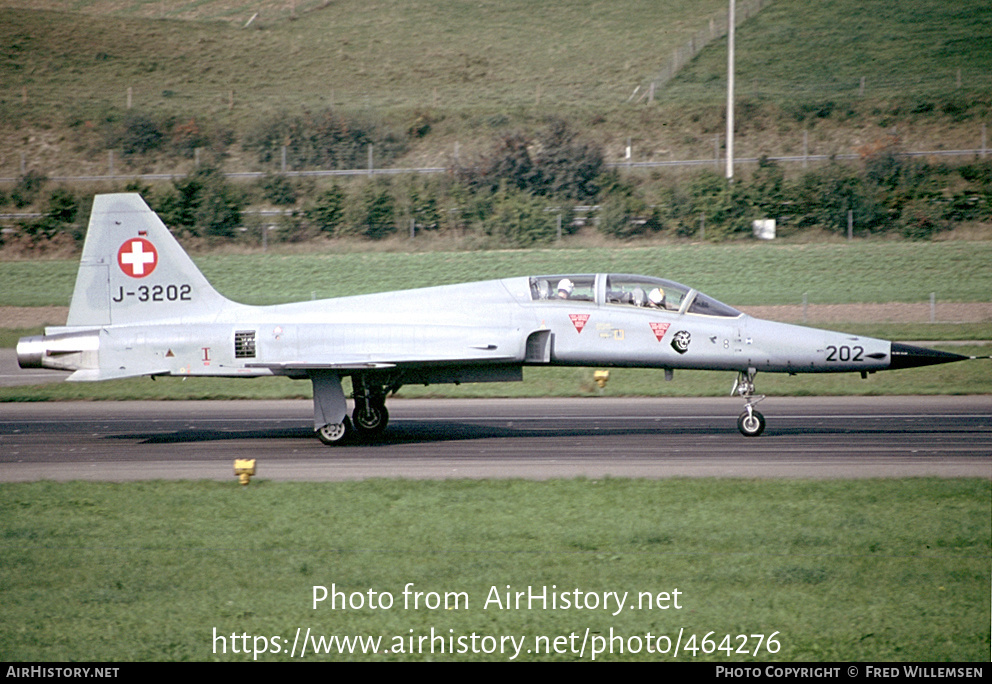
751,425
335,433
370,419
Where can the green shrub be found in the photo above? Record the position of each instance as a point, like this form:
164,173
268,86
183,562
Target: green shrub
323,139
921,220
135,133
203,204
627,216
554,162
27,189
278,190
423,204
326,212
725,206
374,214
569,167
186,137
824,196
520,219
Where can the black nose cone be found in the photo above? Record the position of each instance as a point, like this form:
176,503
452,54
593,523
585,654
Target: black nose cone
908,356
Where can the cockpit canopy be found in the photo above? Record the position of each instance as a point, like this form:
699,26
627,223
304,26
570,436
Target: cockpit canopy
628,290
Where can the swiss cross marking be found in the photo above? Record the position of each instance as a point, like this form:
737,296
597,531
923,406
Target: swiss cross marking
137,257
579,321
659,329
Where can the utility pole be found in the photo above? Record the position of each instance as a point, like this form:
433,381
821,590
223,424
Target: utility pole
731,20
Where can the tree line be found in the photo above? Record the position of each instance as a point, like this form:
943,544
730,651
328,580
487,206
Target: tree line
522,190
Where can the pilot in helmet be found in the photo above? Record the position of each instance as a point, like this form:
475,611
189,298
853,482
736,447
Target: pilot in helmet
656,298
565,287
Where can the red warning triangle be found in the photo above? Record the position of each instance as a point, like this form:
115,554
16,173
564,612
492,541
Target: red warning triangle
659,329
579,321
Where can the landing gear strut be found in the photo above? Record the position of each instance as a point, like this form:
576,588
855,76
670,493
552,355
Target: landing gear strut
751,423
370,416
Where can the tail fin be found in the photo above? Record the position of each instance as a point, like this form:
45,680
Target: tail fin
134,271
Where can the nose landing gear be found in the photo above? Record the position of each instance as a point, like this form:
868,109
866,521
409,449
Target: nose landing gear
751,423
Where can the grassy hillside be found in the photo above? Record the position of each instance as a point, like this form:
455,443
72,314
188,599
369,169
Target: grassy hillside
469,69
387,54
238,12
795,50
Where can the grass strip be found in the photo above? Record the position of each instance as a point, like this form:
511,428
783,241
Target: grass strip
877,570
740,274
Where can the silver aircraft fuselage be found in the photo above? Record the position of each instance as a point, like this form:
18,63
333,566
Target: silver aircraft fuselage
141,308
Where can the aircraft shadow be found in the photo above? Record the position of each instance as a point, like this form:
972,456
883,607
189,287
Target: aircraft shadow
416,432
408,432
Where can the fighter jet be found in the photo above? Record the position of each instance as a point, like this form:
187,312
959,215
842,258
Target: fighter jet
141,307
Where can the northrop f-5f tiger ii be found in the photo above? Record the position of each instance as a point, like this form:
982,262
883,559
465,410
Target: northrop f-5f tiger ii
141,307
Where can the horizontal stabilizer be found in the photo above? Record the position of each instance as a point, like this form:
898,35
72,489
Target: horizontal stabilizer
94,374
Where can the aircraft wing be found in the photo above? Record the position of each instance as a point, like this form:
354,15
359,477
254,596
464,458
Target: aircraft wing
366,363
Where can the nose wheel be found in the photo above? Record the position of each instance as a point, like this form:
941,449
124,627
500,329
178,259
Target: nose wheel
751,423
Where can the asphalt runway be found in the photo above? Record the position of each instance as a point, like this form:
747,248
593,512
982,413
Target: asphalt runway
11,374
837,437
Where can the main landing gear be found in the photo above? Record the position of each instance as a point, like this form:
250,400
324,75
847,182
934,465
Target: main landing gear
335,433
369,418
751,423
